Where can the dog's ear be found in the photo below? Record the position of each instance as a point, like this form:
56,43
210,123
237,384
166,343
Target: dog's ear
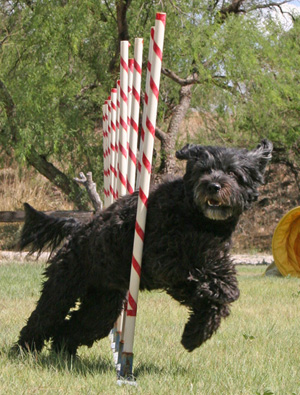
262,154
190,151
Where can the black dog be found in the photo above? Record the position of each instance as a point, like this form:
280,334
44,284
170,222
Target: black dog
186,251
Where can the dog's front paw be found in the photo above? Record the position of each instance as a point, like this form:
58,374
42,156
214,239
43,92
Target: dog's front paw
189,343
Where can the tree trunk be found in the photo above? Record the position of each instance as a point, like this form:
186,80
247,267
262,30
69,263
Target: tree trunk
66,184
123,34
168,142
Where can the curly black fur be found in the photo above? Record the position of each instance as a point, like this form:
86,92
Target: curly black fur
190,221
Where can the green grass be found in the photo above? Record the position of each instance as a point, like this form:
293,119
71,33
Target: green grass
256,350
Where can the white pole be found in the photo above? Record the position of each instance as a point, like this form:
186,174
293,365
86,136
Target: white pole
123,126
127,355
147,87
113,170
135,109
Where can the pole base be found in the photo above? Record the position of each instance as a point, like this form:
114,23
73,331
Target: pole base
126,363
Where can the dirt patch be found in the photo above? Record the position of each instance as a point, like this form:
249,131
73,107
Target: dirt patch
279,195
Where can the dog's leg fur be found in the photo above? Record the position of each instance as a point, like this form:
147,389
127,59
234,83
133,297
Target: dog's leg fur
99,310
64,285
203,323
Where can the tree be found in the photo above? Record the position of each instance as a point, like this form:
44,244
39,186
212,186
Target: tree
59,60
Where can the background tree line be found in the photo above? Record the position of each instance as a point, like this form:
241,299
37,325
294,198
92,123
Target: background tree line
230,60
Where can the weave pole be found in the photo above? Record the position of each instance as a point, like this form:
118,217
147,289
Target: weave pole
134,118
117,181
123,126
145,104
113,127
127,354
106,152
109,138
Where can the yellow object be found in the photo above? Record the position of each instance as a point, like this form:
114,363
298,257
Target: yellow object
286,244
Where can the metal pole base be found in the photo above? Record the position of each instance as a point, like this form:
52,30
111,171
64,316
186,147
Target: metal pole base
125,372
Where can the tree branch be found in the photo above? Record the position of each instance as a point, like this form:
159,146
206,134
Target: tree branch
160,134
90,186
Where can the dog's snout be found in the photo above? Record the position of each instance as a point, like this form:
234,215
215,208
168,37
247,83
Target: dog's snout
214,187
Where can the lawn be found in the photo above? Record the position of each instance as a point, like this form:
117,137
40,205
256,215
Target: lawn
256,350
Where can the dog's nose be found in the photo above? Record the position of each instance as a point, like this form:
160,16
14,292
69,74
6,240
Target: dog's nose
214,187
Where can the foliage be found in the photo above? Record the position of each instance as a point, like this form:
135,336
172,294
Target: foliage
58,64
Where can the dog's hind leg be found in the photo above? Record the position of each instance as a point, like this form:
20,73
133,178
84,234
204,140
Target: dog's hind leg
64,285
99,310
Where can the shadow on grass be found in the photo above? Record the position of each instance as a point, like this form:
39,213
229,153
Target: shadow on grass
82,365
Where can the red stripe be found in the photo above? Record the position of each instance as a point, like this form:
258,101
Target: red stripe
146,98
122,179
134,125
152,32
146,163
122,150
139,167
135,94
123,124
113,106
139,231
132,156
157,50
143,134
123,95
136,266
161,17
149,66
129,188
113,126
137,67
124,65
133,306
114,90
118,103
111,190
150,127
154,88
143,197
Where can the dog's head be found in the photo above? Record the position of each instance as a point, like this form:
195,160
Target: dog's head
222,182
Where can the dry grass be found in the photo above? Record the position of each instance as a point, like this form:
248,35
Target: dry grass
20,185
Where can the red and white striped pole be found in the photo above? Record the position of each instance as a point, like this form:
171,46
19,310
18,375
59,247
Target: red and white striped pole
105,154
113,127
117,181
143,128
130,78
127,355
123,126
135,109
109,157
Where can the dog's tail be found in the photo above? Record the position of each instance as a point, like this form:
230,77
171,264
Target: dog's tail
42,231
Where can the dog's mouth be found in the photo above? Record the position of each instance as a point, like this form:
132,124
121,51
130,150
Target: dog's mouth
216,210
213,203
